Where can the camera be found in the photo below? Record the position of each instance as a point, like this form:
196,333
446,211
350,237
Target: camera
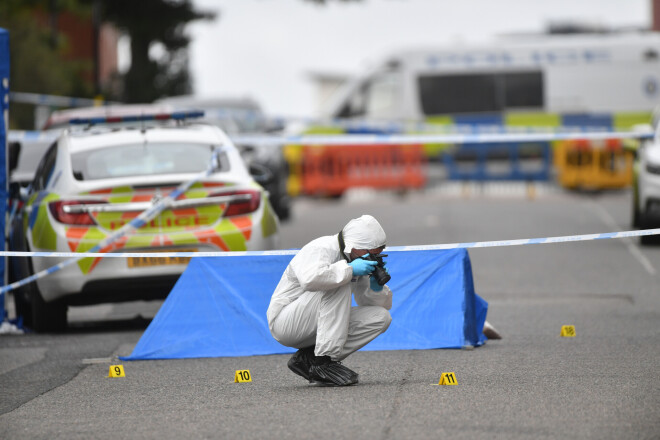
379,273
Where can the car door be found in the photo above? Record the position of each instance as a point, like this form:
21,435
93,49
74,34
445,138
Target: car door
35,219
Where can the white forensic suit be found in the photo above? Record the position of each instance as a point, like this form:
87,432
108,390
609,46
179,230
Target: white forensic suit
311,305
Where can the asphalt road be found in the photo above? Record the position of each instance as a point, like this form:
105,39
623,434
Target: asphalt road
602,384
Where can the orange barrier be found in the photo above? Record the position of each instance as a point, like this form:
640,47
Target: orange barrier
332,170
593,165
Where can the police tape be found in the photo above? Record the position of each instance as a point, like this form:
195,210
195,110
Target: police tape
444,138
479,244
143,218
45,136
470,136
55,100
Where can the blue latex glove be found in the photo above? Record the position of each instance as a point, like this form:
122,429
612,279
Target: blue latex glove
362,267
374,285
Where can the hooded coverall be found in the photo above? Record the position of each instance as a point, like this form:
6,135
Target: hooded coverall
311,305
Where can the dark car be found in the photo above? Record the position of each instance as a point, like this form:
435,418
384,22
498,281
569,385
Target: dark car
244,116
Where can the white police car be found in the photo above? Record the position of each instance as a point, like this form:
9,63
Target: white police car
646,184
233,116
93,181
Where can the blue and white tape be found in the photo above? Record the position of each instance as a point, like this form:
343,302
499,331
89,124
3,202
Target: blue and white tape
444,138
54,100
481,244
469,136
478,244
45,136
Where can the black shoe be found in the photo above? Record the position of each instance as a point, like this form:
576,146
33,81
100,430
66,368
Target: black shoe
328,373
301,361
490,332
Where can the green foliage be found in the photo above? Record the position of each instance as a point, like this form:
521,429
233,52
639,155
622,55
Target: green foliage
149,22
37,50
36,57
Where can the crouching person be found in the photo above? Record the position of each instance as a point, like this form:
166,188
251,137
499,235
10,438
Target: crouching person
311,307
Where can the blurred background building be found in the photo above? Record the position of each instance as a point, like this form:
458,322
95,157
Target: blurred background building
70,48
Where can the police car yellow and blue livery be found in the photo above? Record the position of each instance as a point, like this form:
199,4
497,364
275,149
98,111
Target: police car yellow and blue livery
93,182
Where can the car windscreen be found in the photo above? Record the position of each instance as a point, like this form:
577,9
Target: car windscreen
144,160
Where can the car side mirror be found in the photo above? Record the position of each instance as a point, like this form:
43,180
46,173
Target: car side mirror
274,126
262,174
14,154
246,151
24,193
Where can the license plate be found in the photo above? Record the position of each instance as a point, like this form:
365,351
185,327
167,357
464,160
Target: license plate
158,261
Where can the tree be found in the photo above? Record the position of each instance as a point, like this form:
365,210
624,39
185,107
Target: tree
36,55
149,23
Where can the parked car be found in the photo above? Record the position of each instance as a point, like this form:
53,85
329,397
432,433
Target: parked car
646,184
237,116
93,181
233,116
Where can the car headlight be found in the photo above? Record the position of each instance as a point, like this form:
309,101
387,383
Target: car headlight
653,168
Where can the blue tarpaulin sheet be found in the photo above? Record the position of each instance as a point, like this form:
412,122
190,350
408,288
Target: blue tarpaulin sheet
218,307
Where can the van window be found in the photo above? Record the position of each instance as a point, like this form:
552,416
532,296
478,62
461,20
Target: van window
382,95
355,106
474,93
523,89
376,97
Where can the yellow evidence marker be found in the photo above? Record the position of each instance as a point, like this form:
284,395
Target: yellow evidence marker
567,331
448,379
116,371
242,376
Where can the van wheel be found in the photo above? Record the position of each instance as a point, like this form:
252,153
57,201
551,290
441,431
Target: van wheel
45,317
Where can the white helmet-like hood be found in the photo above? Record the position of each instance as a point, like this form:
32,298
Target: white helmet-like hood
363,233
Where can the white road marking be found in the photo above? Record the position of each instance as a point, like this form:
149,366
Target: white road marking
607,218
90,361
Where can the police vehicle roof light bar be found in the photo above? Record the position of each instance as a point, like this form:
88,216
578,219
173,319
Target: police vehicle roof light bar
176,116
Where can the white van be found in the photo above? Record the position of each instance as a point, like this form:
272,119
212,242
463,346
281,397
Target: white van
566,74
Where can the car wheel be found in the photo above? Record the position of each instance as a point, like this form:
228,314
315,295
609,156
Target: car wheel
23,308
282,207
646,240
635,213
646,221
17,272
44,317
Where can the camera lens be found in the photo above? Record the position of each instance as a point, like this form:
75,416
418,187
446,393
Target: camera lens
380,274
382,277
